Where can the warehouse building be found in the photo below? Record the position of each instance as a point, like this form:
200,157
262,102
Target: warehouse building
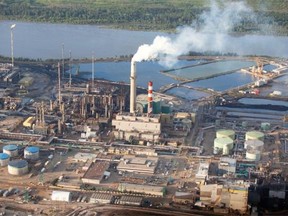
145,165
130,200
145,189
101,198
96,172
64,196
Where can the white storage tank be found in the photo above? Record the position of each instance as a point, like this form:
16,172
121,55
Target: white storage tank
253,155
18,167
31,152
225,133
254,135
220,143
254,144
11,150
4,159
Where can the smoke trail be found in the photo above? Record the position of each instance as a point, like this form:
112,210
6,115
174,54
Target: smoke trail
215,26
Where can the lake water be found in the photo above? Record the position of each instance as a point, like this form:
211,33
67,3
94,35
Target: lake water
224,82
150,71
211,69
41,40
120,71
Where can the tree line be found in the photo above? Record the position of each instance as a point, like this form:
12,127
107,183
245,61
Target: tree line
134,17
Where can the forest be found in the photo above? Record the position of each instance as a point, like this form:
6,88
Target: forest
156,15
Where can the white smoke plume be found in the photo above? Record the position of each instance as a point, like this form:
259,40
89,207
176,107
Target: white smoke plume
216,24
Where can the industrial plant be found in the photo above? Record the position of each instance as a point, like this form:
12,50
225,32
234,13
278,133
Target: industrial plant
94,142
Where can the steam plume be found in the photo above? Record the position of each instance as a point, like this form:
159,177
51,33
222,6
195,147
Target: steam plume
215,26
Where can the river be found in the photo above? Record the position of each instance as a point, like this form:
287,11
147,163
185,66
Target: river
44,40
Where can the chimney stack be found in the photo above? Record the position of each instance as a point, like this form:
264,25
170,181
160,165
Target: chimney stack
133,87
150,98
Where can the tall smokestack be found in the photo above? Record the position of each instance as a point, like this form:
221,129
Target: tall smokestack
150,98
59,85
133,87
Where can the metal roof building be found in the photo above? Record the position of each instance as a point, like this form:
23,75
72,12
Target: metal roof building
131,200
138,164
139,188
64,196
101,198
96,172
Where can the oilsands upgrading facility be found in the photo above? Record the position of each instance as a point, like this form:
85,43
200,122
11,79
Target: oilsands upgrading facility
99,142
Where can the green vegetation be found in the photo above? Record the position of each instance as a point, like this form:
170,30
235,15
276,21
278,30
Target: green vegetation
140,14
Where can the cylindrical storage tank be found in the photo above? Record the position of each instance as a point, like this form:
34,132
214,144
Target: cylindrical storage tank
265,126
253,155
219,143
225,133
17,167
254,135
11,150
254,144
31,152
4,159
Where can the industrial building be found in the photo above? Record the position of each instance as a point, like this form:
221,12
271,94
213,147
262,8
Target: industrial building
231,195
138,127
145,165
64,196
145,189
227,165
202,173
96,172
101,198
235,196
130,200
158,105
210,193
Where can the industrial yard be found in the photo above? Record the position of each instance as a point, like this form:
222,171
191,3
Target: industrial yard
97,146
